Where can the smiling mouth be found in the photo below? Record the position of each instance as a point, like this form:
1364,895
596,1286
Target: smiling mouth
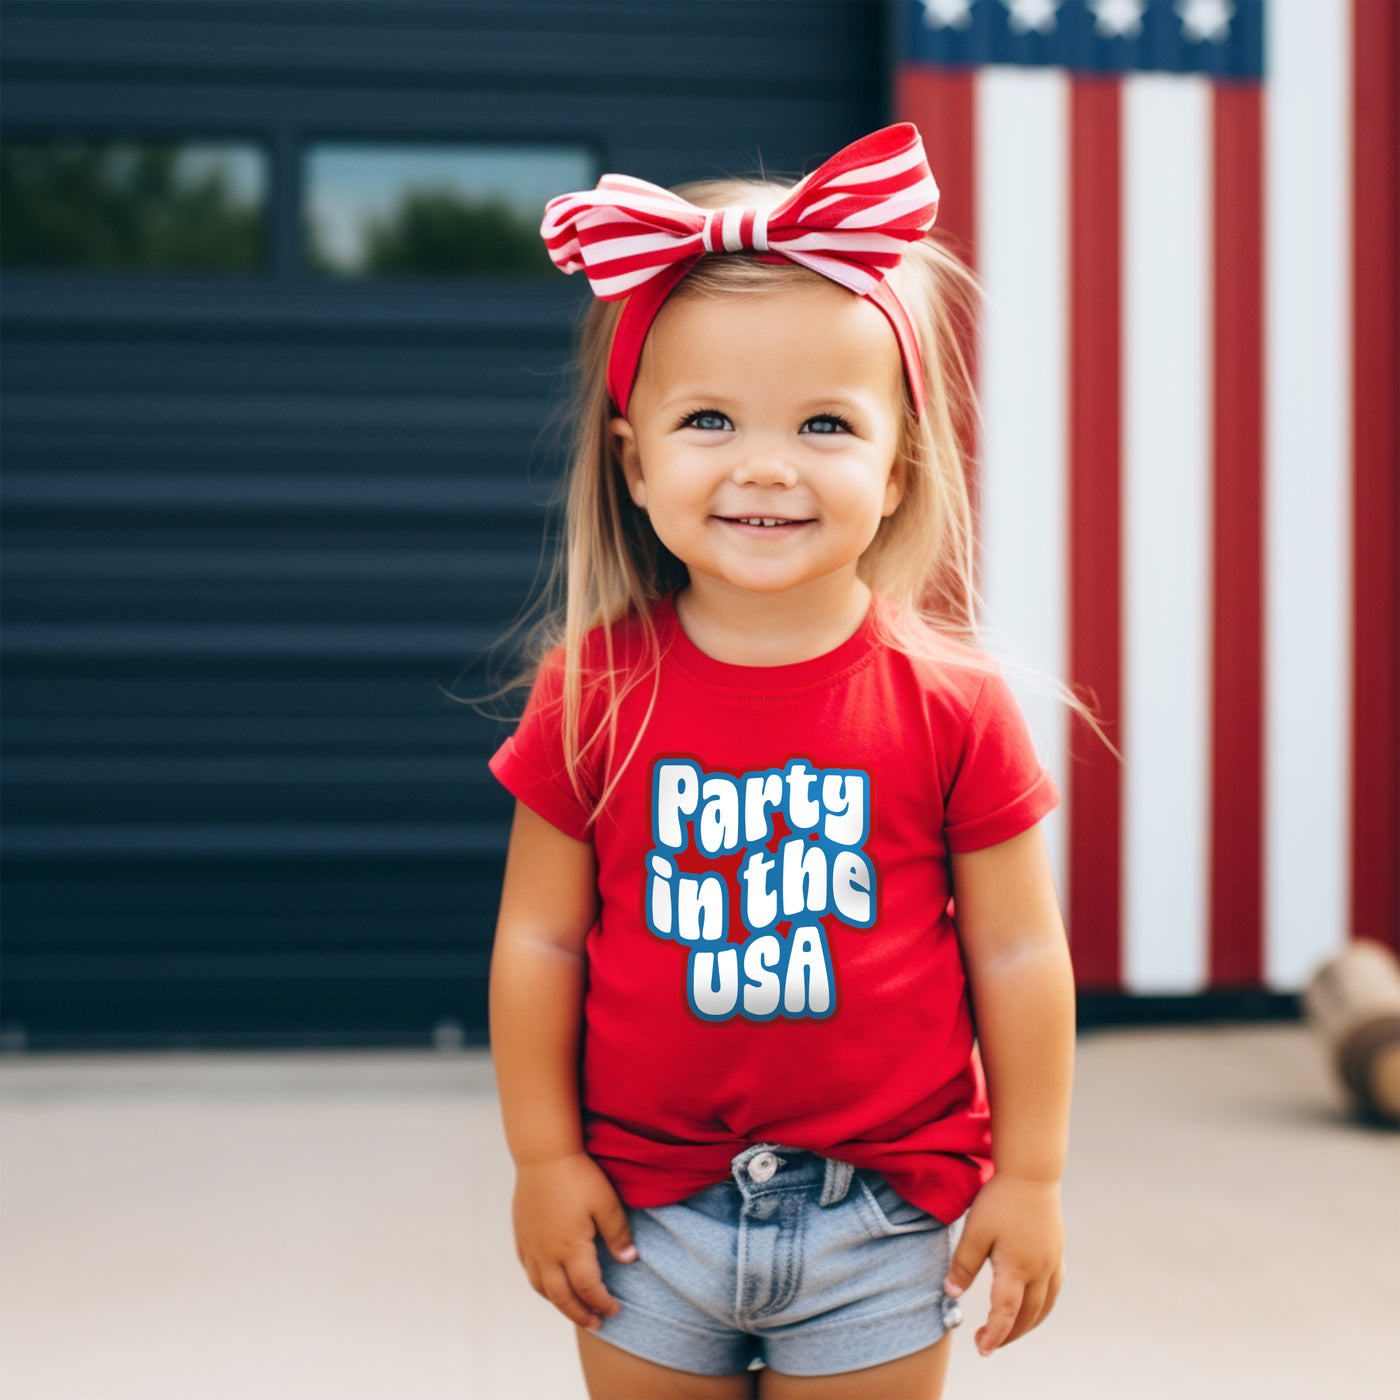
766,521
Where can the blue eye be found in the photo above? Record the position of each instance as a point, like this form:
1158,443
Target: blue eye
826,423
709,420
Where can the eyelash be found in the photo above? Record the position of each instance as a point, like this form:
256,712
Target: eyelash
835,418
700,413
714,412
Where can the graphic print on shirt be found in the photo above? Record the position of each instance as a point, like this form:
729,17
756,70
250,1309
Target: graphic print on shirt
819,867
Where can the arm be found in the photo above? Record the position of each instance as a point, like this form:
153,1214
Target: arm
562,1198
1022,986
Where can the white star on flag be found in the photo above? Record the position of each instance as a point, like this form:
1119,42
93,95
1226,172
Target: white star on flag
947,14
1118,18
1203,20
1027,15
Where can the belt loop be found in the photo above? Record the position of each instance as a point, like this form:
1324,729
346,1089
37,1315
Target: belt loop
837,1182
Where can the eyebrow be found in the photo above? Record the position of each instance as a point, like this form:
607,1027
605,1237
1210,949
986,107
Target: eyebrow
690,395
837,400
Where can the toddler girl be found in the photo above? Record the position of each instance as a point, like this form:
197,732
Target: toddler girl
732,999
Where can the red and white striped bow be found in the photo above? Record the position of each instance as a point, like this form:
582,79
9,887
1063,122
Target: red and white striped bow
849,220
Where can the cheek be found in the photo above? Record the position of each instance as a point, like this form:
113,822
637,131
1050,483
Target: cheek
667,511
679,486
873,492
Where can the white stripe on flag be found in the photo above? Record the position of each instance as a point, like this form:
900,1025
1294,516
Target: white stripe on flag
1022,171
1308,491
1166,536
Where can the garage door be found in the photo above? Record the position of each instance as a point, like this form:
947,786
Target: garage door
278,350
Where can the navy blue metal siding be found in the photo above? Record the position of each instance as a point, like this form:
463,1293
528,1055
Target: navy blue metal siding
253,524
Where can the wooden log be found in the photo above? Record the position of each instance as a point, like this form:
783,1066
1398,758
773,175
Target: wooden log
1353,1002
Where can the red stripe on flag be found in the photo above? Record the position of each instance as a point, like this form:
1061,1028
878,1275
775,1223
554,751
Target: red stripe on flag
1094,784
1376,473
941,103
1237,713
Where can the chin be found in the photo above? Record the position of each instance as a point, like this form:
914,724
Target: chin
770,587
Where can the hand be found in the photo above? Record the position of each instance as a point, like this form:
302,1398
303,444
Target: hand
1018,1222
559,1207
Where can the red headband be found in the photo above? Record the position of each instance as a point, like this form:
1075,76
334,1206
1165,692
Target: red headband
849,220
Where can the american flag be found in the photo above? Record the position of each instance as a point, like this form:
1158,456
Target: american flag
1184,215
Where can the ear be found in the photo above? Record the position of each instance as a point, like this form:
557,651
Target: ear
624,442
894,486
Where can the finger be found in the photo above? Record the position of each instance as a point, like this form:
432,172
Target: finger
1032,1310
616,1232
971,1254
587,1280
559,1291
1052,1291
1007,1293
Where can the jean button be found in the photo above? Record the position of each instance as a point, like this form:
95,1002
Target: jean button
762,1166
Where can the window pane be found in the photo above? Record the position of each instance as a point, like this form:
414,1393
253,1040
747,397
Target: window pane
435,211
95,204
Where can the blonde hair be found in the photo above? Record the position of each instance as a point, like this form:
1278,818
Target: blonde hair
921,561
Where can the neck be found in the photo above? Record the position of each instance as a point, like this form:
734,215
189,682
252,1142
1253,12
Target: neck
771,629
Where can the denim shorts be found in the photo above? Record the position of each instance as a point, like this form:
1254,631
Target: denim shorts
795,1261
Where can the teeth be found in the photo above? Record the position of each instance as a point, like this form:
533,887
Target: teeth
761,520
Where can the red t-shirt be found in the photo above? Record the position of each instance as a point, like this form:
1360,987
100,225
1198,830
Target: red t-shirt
774,957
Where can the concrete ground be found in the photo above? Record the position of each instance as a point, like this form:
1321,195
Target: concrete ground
225,1226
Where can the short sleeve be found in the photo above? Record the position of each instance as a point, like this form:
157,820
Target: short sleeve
530,764
999,788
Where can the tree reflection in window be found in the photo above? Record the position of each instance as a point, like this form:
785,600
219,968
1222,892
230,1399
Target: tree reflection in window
73,203
434,211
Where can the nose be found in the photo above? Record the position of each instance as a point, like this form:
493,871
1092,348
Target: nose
764,464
